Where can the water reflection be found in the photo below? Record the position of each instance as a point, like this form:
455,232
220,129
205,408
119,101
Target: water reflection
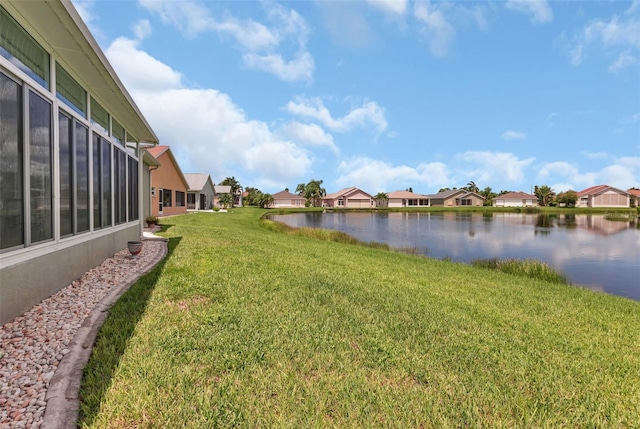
591,250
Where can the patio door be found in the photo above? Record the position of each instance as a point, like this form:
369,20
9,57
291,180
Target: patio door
160,199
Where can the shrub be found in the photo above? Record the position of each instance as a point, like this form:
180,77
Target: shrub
526,268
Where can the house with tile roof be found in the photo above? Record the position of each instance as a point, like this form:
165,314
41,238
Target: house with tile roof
285,199
201,191
72,168
168,184
635,196
603,196
515,199
349,198
456,198
406,199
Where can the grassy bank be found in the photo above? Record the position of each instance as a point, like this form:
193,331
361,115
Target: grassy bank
247,327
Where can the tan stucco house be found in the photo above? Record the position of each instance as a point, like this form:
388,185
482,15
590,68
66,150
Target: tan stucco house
456,198
515,199
603,196
349,198
285,199
168,184
70,154
406,199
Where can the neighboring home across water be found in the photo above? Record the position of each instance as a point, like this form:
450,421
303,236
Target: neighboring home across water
201,192
349,198
284,199
455,198
70,154
515,199
635,195
168,184
603,196
406,199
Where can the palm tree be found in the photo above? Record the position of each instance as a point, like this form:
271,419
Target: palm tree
472,187
313,192
381,198
488,194
236,189
545,194
265,200
225,200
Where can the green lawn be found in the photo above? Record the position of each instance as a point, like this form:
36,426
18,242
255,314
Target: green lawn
242,326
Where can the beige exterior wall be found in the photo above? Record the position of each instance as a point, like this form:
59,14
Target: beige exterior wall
167,177
28,283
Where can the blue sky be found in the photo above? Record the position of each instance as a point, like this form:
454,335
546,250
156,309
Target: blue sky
385,95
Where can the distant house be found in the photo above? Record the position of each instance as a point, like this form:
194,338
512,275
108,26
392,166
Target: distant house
456,198
168,184
349,198
201,192
635,195
406,199
603,196
515,199
285,199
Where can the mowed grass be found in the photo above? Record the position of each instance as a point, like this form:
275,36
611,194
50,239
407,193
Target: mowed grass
242,326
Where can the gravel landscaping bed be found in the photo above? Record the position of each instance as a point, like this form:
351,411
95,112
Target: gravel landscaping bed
33,345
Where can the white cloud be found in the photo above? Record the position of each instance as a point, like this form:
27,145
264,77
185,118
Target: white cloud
300,68
261,46
141,71
376,176
618,35
190,17
205,129
370,113
396,7
492,167
308,134
622,173
513,135
623,61
436,27
539,10
142,29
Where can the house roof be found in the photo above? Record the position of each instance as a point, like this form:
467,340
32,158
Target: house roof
404,194
157,151
222,189
516,196
635,192
286,194
345,192
599,189
58,27
197,181
459,193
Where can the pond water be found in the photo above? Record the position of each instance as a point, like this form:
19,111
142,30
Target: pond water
591,251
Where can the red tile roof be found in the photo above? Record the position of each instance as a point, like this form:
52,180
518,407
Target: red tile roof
635,192
156,151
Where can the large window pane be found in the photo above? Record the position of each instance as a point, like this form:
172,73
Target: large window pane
40,163
70,92
99,116
82,177
97,188
166,198
22,50
65,127
106,181
120,186
11,182
133,189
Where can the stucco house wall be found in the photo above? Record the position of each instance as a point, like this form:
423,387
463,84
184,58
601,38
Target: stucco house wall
167,178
